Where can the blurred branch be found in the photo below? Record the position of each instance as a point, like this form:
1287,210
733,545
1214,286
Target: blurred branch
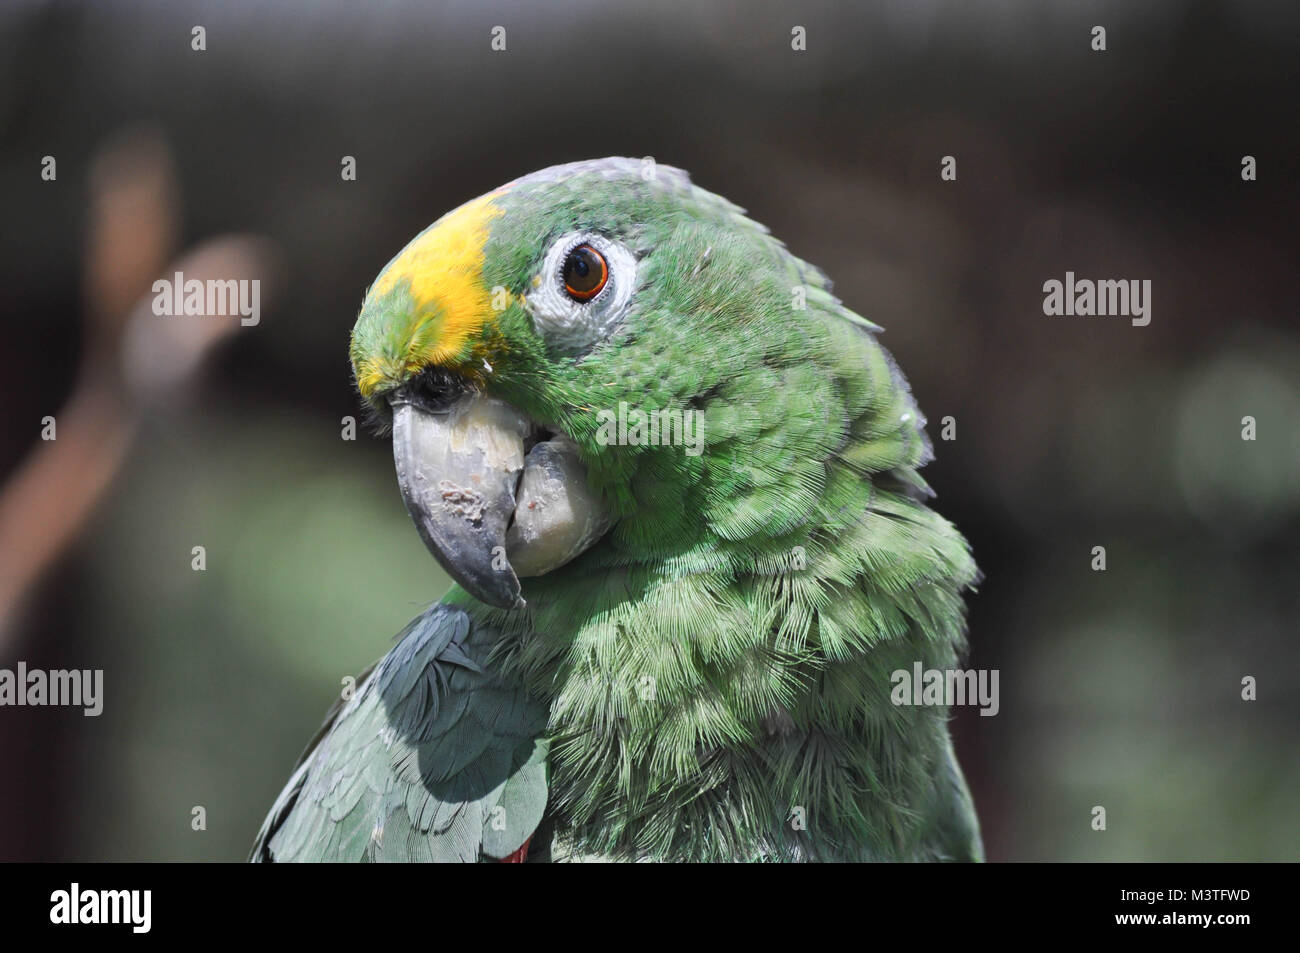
133,358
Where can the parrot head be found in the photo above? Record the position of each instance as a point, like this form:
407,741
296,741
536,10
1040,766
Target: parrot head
604,352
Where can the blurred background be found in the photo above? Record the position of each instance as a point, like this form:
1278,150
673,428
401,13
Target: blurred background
1119,688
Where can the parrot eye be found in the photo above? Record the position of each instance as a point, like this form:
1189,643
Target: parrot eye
585,273
582,290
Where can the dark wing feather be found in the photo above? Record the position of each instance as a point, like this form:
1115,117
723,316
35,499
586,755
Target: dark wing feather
435,758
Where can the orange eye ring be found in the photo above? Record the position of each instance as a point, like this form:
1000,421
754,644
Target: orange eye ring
584,272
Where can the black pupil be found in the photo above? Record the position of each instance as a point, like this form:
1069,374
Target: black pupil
581,270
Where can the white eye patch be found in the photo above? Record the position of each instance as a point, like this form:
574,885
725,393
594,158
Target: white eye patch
571,326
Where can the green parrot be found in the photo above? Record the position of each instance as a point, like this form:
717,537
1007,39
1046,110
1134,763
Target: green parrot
676,483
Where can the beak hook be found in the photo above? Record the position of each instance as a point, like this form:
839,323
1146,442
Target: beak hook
458,469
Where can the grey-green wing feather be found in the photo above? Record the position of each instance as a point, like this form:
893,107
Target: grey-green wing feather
435,758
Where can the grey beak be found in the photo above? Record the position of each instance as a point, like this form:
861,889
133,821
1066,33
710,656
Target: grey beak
458,470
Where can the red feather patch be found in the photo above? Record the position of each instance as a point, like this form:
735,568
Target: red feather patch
519,856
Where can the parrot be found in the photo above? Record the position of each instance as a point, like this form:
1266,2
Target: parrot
675,482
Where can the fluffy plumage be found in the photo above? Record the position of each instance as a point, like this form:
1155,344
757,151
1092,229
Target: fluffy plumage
711,680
